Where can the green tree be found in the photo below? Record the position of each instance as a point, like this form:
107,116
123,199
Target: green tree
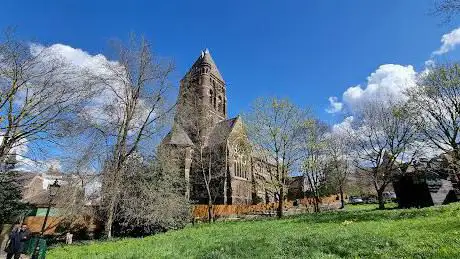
274,126
10,195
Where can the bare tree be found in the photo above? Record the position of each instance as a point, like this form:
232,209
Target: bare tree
338,149
131,110
437,100
274,126
40,94
314,140
447,8
385,133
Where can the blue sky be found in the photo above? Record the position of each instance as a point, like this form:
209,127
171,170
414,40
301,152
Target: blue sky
304,50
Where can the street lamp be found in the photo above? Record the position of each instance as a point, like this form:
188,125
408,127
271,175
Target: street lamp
53,189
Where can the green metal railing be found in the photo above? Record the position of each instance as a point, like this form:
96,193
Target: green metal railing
30,244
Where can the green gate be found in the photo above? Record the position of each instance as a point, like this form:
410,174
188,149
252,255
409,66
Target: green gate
30,245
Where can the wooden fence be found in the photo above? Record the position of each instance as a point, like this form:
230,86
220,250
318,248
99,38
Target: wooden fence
228,211
201,211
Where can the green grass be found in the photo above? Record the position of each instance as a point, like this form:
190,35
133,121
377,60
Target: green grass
358,232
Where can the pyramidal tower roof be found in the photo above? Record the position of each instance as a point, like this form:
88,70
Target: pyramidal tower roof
206,58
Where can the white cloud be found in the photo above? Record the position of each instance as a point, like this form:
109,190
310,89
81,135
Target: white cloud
389,81
430,63
344,127
334,105
449,42
105,107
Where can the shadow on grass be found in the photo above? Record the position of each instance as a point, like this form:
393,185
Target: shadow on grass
375,215
308,245
240,248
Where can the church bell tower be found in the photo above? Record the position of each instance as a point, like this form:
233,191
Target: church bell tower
202,100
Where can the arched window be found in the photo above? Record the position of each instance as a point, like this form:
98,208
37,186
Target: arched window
211,97
238,168
219,103
224,106
241,168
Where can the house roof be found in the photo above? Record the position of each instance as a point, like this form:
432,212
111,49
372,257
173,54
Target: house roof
221,131
24,178
41,198
178,136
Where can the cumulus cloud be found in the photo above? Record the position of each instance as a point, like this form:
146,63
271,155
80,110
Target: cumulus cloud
389,81
334,105
449,42
344,127
80,65
105,107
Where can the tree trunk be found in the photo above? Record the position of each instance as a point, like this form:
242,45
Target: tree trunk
112,205
210,214
317,201
342,201
280,202
381,199
109,222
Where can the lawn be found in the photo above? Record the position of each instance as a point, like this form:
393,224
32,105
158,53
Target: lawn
359,232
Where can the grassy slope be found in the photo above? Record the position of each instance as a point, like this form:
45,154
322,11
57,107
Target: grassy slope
423,233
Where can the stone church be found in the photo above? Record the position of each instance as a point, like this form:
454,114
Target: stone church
212,150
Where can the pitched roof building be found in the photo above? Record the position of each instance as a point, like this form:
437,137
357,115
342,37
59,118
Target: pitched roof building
213,150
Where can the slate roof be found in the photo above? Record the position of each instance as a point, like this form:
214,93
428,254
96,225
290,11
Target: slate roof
221,131
24,178
178,136
42,198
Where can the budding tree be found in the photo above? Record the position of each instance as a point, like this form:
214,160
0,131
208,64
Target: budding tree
384,134
274,126
340,166
314,162
437,101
